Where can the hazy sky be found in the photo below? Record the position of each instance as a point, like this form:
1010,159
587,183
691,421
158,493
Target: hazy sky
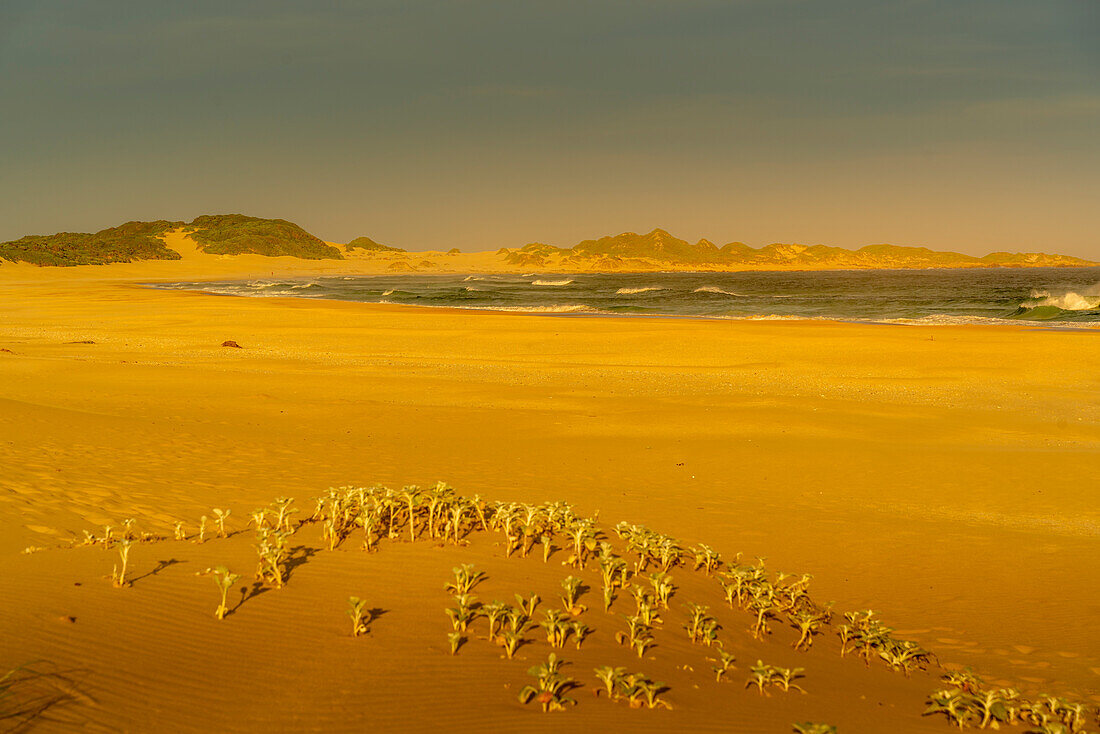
971,125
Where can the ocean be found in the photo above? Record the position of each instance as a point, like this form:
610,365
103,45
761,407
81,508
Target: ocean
1049,296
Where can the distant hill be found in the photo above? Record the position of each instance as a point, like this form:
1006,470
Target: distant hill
366,243
659,248
216,234
236,234
125,243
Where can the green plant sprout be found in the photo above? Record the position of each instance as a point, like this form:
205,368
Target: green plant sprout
118,575
516,619
283,510
610,678
705,558
224,580
764,610
759,676
662,587
808,623
528,603
368,522
179,532
639,690
808,728
220,516
494,612
782,678
360,616
611,570
458,516
550,686
128,529
557,627
463,612
202,529
259,518
701,627
580,631
644,605
572,586
511,641
271,546
762,675
725,664
465,579
456,639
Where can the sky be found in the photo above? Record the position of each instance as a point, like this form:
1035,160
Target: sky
968,125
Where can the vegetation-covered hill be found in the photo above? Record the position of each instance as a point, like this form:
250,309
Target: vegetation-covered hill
369,245
630,250
236,234
125,243
216,234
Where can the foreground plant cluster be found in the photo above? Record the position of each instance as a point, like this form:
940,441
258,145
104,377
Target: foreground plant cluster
631,560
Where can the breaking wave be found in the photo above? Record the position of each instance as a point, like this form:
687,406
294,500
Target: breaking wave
551,282
1088,300
632,291
716,290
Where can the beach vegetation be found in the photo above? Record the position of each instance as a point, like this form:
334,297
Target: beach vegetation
224,580
493,613
528,603
639,690
572,588
237,234
463,612
724,664
128,242
220,516
550,686
762,676
580,631
360,616
701,627
274,552
118,574
466,578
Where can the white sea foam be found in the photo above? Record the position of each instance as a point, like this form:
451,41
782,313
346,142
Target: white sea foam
471,288
551,282
719,291
472,277
305,285
388,293
632,291
1087,300
557,308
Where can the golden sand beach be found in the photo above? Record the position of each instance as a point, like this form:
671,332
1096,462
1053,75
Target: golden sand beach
942,476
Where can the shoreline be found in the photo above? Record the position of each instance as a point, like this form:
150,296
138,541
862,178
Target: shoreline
586,311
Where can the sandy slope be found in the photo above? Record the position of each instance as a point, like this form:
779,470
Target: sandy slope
944,476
